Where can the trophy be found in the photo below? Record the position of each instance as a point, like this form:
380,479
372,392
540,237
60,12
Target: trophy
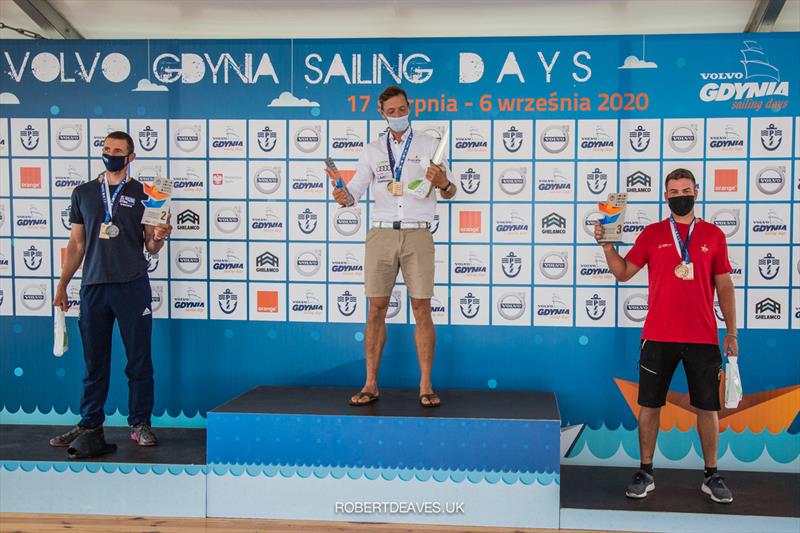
339,183
156,207
613,211
421,188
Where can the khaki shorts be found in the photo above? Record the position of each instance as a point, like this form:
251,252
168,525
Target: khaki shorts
389,250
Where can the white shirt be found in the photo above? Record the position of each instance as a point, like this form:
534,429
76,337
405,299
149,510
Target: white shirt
373,170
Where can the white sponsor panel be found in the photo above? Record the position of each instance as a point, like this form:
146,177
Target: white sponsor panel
189,299
591,267
227,179
228,220
441,259
470,305
640,138
67,174
795,219
307,261
513,139
158,263
795,323
469,264
6,263
398,312
32,297
768,308
473,179
5,177
307,140
4,141
227,139
726,138
554,181
267,221
731,219
797,137
189,219
553,223
346,262
6,297
30,177
769,223
346,303
471,139
267,261
439,306
553,265
99,128
511,264
595,307
143,170
552,306
641,277
187,138
588,214
189,178
695,167
512,181
771,180
308,180
737,259
159,298
346,223
227,260
641,180
31,218
307,221
683,138
307,302
512,223
795,266
149,137
29,137
5,217
595,179
347,138
228,300
433,128
740,301
268,301
597,139
73,297
470,222
59,249
69,137
638,217
632,307
441,224
60,217
267,180
267,139
555,139
511,306
768,266
189,259
726,181
771,137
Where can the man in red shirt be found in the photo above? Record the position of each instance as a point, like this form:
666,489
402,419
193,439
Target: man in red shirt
687,259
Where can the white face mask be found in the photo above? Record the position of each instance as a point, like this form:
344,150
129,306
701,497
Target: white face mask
398,124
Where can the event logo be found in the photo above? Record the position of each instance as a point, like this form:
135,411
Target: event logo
554,224
187,220
557,309
148,174
771,137
472,267
637,223
230,263
187,138
595,307
768,309
148,138
759,79
267,139
307,221
395,304
69,136
267,263
156,298
267,301
513,224
554,265
470,305
5,264
152,261
772,225
683,138
512,139
228,301
596,181
639,182
308,262
69,180
600,142
639,139
229,142
349,265
511,264
188,182
34,297
29,137
308,139
512,180
472,142
347,303
33,219
770,180
191,303
228,219
595,270
727,220
99,138
470,181
736,268
434,227
729,141
511,305
347,221
718,311
64,216
438,310
267,179
308,304
269,222
769,266
588,221
349,142
309,182
635,307
555,183
555,139
32,257
189,259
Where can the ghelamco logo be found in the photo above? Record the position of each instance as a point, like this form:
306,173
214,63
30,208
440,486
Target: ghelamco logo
758,79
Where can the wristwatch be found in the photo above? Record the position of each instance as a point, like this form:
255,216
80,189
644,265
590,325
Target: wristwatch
449,184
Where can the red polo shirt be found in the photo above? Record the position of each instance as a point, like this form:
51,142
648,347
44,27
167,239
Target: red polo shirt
681,310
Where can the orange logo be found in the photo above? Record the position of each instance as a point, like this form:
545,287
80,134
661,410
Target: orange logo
267,302
30,178
726,180
469,222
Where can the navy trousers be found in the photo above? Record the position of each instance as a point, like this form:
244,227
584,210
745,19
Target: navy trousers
128,304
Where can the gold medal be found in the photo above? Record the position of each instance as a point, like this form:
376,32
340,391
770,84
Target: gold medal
684,271
396,188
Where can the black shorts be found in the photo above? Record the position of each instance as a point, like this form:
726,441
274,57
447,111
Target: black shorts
657,364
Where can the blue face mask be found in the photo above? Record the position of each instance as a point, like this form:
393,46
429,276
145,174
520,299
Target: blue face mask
115,163
398,124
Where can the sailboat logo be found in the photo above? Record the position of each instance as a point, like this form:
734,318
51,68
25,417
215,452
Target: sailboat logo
756,64
758,79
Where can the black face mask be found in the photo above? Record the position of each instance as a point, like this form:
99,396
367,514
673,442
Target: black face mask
681,205
115,163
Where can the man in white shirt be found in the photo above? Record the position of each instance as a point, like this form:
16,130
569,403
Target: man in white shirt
400,237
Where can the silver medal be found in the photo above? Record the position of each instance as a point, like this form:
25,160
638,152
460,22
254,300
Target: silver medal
112,231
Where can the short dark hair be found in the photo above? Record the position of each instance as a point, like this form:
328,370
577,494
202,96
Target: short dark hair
122,136
679,174
389,92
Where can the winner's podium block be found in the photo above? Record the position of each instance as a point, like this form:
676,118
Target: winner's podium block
481,458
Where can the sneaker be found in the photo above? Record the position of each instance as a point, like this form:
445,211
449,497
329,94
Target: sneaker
641,484
715,487
65,439
142,434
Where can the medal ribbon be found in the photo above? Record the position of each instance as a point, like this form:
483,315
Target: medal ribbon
680,246
399,170
109,205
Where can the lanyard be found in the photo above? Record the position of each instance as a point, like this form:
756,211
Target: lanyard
682,247
399,170
108,204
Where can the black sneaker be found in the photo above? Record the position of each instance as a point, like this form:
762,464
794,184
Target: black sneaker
641,485
65,439
715,487
142,434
